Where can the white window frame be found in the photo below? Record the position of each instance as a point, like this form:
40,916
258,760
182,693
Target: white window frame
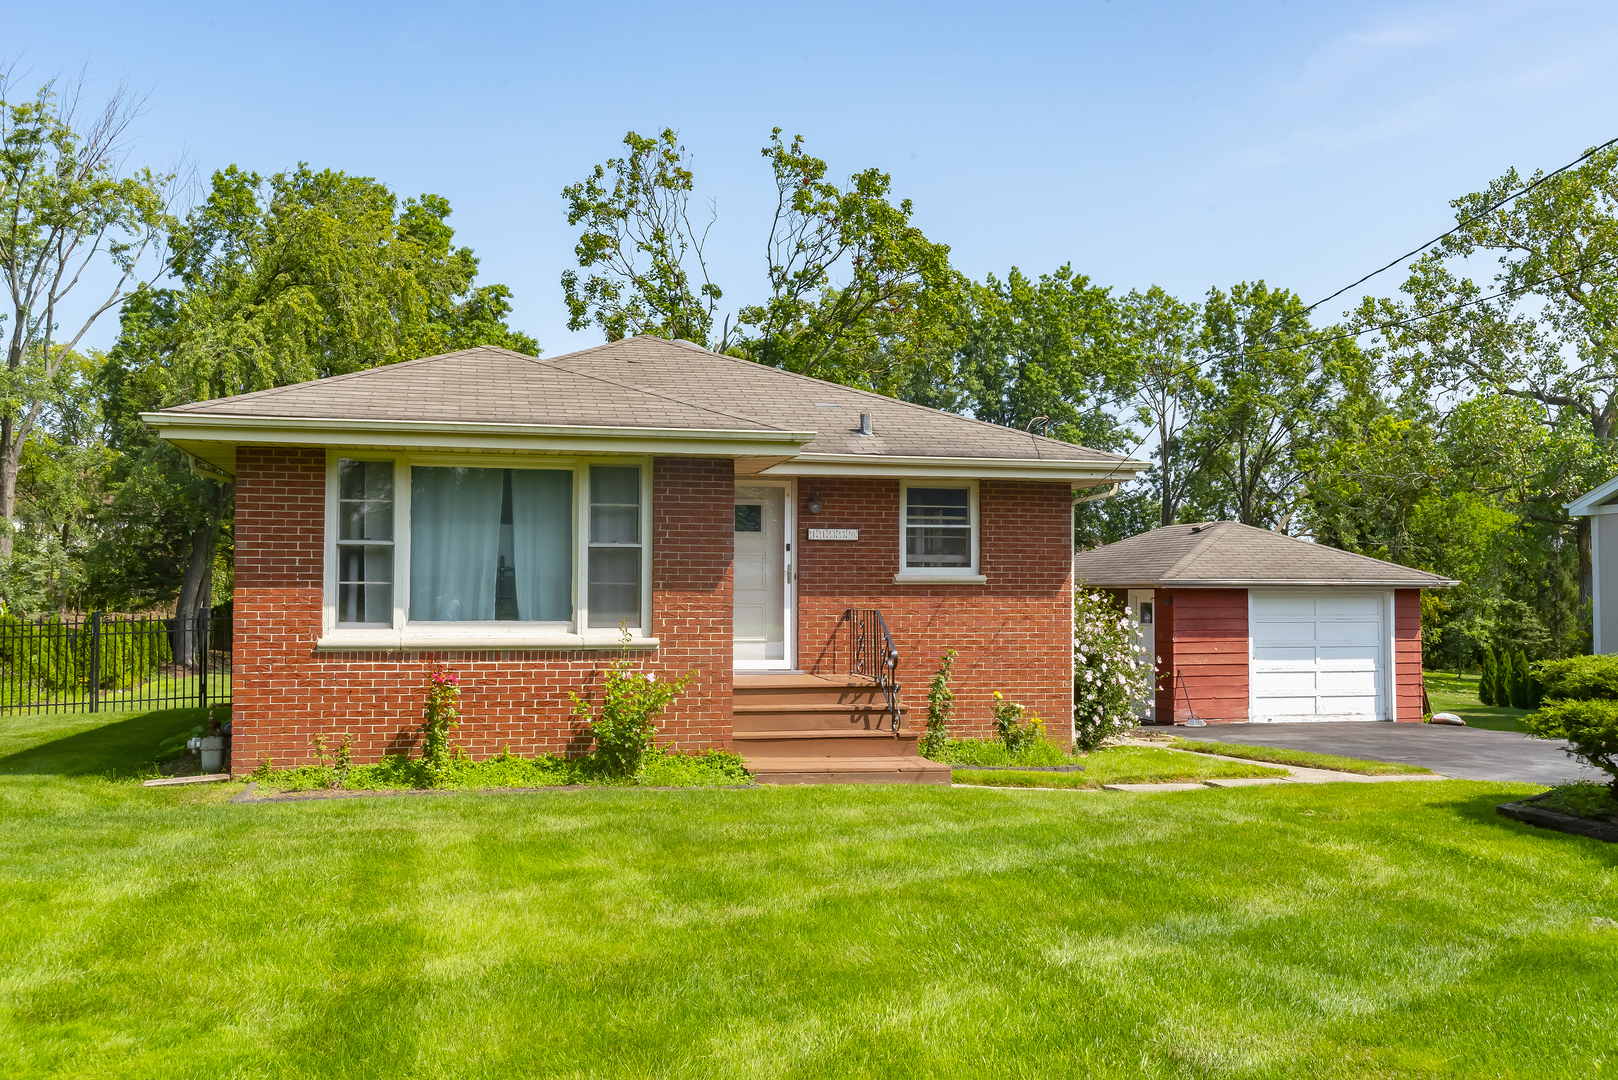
940,575
406,635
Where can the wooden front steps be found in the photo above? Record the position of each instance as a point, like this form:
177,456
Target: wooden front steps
813,729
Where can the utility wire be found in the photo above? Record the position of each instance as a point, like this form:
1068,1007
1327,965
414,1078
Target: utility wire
1581,159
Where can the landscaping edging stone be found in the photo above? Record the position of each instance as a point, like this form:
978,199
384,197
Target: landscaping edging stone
1546,818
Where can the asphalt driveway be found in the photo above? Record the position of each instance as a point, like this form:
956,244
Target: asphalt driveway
1464,752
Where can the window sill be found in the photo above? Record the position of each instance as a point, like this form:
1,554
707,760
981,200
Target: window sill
477,639
918,577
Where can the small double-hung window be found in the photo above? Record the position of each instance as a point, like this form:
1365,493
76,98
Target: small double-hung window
940,525
614,596
365,543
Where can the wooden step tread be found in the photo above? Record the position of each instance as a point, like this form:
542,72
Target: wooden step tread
815,764
768,680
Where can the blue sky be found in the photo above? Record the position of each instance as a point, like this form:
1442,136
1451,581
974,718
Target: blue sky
1185,145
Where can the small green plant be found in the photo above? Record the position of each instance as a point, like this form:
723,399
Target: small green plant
442,717
338,762
940,703
1015,726
630,699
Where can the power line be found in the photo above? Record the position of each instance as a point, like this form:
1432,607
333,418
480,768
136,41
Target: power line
1581,159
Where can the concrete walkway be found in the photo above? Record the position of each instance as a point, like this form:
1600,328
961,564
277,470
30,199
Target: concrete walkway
1295,774
1463,752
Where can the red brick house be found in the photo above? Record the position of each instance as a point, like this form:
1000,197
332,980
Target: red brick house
1248,624
512,517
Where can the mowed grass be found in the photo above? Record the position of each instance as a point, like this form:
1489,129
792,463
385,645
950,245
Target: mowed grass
1306,759
1458,694
1120,765
1329,931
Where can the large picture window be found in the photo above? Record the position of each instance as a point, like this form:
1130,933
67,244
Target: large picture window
491,544
938,528
429,551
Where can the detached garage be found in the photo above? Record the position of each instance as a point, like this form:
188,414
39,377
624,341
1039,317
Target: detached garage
1248,624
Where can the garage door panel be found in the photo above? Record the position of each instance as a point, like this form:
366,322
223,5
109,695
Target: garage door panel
1367,605
1358,682
1317,654
1283,655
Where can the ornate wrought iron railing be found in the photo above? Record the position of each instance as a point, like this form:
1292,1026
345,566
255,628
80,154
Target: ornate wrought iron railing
871,653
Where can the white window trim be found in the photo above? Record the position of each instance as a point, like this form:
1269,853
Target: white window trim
935,575
407,636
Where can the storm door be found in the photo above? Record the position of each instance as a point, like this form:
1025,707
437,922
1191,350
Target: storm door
763,617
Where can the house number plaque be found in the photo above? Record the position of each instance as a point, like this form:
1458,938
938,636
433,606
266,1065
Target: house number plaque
834,534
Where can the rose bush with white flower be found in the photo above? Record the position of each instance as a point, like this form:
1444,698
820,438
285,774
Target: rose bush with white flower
1113,673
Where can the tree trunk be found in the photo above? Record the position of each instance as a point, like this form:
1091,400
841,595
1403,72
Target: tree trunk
195,584
9,463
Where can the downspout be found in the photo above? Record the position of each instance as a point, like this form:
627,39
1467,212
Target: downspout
1109,493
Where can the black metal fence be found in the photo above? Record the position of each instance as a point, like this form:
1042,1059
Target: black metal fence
97,662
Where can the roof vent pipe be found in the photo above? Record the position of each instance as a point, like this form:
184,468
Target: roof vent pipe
865,423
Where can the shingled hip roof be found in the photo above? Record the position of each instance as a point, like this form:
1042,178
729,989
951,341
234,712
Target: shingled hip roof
639,387
1229,554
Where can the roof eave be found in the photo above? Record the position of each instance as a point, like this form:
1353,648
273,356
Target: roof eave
192,429
1082,473
1266,583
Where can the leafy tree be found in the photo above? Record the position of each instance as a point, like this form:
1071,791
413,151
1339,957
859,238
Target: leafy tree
1269,376
297,276
65,208
1161,336
1544,330
1045,355
855,292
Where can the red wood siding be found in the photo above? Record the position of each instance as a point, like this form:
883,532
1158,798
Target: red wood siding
1210,653
1407,655
1014,634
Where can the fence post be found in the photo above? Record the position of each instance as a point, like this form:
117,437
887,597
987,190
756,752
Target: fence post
203,618
95,661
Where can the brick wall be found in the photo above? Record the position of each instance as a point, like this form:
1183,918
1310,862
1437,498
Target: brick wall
1210,652
285,693
1407,655
1013,634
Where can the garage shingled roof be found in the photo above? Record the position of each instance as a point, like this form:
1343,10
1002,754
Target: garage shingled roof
1226,553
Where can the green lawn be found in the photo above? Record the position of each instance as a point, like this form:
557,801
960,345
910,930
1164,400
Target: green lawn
1388,930
1306,759
1458,694
1121,765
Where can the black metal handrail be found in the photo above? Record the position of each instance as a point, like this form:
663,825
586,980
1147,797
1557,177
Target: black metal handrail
871,652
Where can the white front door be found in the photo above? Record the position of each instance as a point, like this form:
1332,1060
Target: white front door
1319,654
1143,609
763,618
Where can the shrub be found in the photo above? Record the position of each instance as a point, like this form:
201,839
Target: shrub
1113,674
1487,671
1580,678
1015,725
1590,728
1516,690
443,716
940,702
630,699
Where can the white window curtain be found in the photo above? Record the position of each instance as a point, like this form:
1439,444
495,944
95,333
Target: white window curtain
542,533
454,543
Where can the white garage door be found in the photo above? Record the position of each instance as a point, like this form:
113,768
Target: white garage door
1318,654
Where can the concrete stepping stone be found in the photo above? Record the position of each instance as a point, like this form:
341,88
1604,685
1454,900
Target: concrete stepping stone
1247,781
1151,787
